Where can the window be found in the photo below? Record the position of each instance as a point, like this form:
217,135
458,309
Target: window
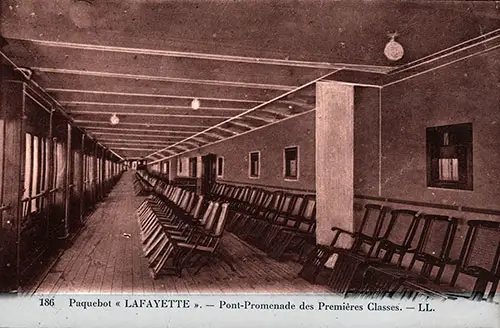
179,161
254,164
449,156
220,167
291,163
193,164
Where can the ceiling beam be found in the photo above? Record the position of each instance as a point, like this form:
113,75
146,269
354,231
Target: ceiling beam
95,103
136,135
93,112
213,135
132,148
150,95
145,129
137,141
256,117
164,79
207,56
227,130
83,122
274,112
242,125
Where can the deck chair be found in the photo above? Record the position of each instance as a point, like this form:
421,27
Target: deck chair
291,212
432,252
479,261
350,267
206,244
260,220
238,210
295,238
163,250
363,242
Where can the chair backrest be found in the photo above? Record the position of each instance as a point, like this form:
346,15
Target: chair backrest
196,211
266,200
207,213
221,220
276,201
481,250
398,237
229,190
191,203
253,196
437,235
215,189
309,211
209,224
243,197
287,204
372,221
184,201
306,221
401,228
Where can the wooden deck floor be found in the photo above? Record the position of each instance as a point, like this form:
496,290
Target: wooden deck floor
104,260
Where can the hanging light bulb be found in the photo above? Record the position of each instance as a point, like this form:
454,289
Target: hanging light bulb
114,119
393,50
195,104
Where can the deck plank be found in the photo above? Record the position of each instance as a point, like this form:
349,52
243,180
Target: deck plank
107,258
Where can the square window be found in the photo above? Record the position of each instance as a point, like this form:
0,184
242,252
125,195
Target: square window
291,162
449,156
254,164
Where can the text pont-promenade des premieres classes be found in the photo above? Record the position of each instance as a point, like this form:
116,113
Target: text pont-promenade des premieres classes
225,305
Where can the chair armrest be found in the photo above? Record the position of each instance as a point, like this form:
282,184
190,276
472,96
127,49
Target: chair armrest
338,231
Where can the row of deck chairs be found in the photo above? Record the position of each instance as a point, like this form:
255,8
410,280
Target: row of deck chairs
179,229
143,183
377,262
276,222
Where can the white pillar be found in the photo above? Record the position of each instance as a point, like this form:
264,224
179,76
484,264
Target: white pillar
334,159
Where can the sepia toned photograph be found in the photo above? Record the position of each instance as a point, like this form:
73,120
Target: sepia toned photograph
294,147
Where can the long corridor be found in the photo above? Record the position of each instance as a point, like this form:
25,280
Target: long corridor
107,258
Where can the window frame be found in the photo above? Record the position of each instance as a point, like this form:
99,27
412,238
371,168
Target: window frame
220,167
250,176
463,132
297,169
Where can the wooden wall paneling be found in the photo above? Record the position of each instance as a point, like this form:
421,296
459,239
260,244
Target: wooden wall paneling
13,182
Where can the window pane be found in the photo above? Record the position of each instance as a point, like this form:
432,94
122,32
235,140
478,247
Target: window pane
27,166
291,162
34,186
254,164
220,166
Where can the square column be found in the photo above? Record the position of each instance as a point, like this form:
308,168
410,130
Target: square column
334,159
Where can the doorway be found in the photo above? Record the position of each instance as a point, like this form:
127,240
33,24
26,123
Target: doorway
208,172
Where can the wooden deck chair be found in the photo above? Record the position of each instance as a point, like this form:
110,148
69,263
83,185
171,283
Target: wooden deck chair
291,211
363,241
396,241
205,244
296,237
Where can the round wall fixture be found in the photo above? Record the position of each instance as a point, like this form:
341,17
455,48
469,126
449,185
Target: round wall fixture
80,13
114,119
393,50
195,104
